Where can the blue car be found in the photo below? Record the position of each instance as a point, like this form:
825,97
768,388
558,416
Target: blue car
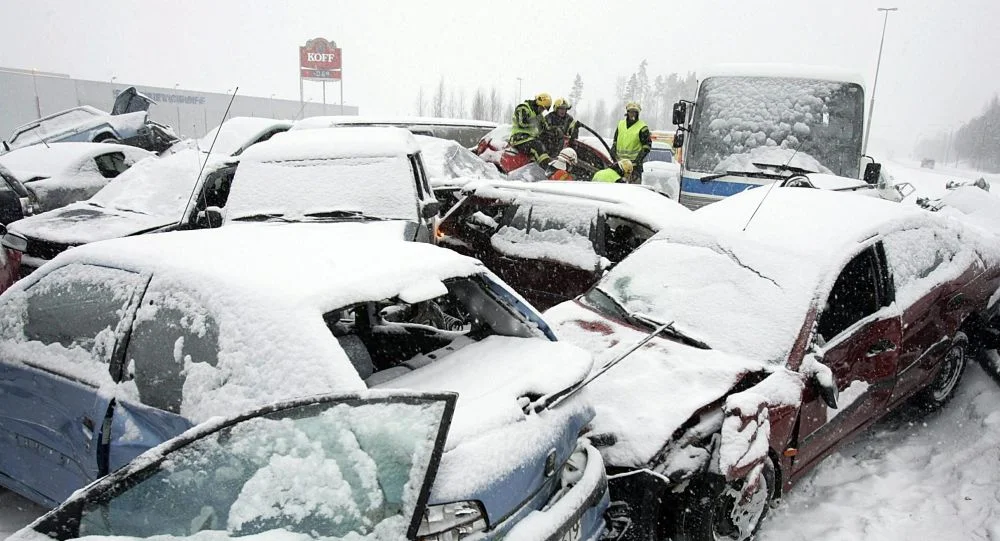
117,346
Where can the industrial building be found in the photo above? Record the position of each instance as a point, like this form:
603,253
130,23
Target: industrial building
28,95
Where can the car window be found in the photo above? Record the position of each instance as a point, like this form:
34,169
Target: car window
172,331
853,297
553,231
348,470
622,237
422,172
916,257
215,191
112,164
384,339
421,192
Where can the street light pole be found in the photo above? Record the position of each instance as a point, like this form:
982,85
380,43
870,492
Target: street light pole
878,64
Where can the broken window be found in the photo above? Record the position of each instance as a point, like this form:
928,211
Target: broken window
853,297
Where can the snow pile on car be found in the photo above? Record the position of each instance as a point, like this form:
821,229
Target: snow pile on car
448,163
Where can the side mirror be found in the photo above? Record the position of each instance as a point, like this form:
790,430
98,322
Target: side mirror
827,389
430,210
209,218
679,117
14,241
872,173
678,139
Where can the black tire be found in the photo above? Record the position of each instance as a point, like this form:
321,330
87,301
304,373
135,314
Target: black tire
942,388
707,513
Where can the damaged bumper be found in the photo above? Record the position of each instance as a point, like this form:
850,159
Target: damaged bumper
573,514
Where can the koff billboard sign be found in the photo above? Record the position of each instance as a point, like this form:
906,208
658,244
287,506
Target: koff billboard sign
320,60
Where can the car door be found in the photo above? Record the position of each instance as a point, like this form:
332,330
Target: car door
860,334
56,378
11,194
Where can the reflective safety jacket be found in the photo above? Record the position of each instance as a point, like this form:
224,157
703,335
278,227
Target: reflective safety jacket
607,175
630,142
526,124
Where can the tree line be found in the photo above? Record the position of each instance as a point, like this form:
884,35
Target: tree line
976,142
656,96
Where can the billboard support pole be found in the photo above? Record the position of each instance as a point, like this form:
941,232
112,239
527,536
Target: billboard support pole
324,96
341,92
302,105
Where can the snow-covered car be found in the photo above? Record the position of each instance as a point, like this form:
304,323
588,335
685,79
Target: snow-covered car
128,123
552,240
116,346
463,131
779,330
10,265
368,174
233,136
158,195
58,174
331,467
493,148
450,166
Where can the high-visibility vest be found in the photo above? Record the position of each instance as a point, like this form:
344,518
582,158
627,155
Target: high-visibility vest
519,133
606,175
628,144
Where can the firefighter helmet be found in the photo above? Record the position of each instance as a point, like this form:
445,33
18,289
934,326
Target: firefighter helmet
543,100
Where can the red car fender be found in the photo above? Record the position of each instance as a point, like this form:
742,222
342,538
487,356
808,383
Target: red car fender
10,268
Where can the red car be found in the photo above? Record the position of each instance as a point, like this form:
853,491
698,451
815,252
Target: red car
494,149
779,329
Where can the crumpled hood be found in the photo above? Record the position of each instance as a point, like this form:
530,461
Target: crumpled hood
653,391
80,223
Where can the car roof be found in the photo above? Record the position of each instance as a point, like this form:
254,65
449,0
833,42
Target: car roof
49,160
330,121
630,201
791,71
333,143
271,262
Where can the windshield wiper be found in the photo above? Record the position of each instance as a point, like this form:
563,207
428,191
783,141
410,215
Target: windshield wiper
642,320
263,217
752,174
348,214
785,167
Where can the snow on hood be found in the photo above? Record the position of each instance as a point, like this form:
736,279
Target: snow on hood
237,132
490,378
974,206
63,159
653,391
769,155
80,223
446,161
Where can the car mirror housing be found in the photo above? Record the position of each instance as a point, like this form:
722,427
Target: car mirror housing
872,173
430,210
828,392
678,139
14,241
209,218
679,116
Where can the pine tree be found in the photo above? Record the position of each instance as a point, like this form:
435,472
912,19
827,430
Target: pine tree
576,94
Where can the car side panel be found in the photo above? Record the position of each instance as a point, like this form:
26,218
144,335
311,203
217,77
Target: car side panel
136,428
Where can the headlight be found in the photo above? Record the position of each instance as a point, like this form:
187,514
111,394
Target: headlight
451,521
572,471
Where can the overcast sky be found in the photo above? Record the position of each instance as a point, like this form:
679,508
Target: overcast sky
940,65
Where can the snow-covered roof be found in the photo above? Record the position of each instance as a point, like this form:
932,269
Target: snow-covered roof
629,201
47,161
330,121
332,143
237,132
792,71
446,161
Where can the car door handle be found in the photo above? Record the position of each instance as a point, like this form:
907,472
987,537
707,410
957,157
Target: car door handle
882,346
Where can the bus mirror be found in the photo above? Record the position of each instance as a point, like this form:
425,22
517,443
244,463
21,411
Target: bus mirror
678,139
872,173
680,113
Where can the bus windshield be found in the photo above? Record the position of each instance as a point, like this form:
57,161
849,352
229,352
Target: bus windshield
749,123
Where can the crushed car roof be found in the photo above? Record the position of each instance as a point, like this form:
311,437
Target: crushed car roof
46,161
334,143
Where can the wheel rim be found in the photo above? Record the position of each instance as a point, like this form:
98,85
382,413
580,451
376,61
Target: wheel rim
951,369
738,521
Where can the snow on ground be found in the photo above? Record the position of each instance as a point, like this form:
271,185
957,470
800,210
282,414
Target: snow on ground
909,477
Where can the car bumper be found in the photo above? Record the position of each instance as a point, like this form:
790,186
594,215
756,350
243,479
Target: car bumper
575,515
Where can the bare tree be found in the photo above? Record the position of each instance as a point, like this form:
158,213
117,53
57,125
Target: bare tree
479,111
495,105
576,94
420,102
439,100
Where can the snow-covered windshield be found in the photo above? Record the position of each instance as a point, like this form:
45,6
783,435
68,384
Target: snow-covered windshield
329,471
748,123
154,187
376,186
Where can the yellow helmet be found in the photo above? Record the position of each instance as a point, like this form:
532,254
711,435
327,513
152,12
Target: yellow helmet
543,100
626,166
562,102
632,106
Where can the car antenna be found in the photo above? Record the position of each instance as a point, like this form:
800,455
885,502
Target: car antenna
771,187
194,189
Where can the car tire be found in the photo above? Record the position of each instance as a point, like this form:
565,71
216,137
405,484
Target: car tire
942,388
707,513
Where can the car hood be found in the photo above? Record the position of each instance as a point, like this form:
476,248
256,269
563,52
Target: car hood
80,223
495,452
644,399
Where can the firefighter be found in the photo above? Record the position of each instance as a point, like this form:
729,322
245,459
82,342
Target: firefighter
632,140
618,172
563,128
559,168
529,127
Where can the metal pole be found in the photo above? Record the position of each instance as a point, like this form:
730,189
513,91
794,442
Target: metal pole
324,96
302,103
878,64
38,102
341,93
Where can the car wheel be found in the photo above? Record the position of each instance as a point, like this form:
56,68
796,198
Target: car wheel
943,386
724,511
